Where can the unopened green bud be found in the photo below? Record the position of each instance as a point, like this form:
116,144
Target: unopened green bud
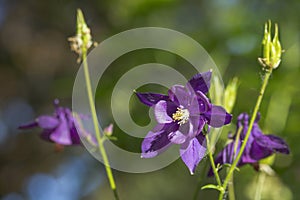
271,48
230,94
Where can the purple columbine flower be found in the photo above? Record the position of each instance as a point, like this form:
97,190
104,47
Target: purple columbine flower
181,116
59,127
259,145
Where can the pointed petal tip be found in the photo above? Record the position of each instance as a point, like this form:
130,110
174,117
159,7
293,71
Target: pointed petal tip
28,125
191,154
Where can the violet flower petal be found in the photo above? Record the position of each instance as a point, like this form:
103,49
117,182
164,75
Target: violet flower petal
151,99
47,122
218,116
74,135
191,153
61,134
72,127
273,142
179,136
203,102
179,94
197,123
258,152
200,82
29,125
160,113
157,140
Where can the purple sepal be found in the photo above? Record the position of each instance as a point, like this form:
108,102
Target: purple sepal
150,99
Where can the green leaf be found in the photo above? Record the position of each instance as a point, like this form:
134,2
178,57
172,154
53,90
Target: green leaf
229,165
211,186
112,138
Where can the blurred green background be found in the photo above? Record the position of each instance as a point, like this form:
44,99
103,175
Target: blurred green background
36,66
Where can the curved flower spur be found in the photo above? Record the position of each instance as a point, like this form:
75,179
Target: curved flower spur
181,116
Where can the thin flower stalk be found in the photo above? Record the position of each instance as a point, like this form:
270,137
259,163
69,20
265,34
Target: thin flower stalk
260,185
271,59
231,192
215,170
96,126
254,114
80,44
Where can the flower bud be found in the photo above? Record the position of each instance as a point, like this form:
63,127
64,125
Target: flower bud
82,41
108,130
271,48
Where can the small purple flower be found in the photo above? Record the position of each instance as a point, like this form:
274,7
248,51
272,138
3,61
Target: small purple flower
59,127
259,145
181,116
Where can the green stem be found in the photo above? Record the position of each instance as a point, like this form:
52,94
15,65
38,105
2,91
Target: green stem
200,180
231,189
96,126
230,183
254,114
260,184
237,140
212,162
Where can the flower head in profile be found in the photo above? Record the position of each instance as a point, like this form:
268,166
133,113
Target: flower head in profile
259,145
60,127
181,116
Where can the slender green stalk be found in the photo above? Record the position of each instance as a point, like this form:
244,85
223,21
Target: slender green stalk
254,114
200,180
231,194
96,126
237,138
230,183
213,166
260,185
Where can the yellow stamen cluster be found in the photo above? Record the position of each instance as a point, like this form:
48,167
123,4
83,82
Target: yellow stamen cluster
181,115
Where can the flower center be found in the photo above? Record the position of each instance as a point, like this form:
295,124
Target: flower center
181,115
